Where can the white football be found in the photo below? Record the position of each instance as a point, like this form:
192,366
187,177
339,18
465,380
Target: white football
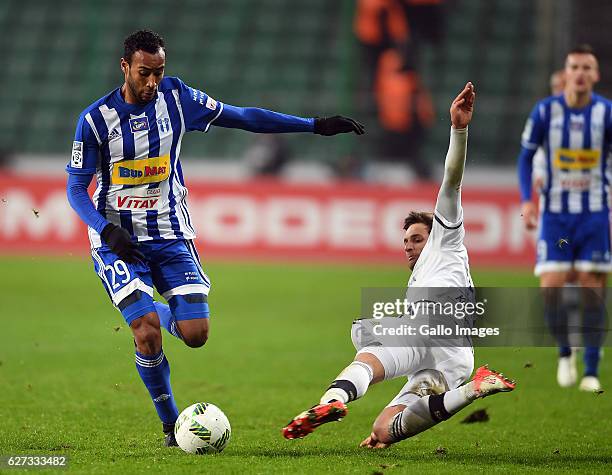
202,428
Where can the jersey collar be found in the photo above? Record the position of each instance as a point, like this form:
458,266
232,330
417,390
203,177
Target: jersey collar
118,102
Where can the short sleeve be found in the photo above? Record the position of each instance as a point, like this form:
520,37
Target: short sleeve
199,109
85,148
533,133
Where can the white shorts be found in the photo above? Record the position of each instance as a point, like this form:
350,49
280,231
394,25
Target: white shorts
455,363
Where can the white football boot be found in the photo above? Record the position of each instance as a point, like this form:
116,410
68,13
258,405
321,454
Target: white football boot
566,371
590,384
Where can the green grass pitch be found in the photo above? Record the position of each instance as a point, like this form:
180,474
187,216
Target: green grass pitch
279,335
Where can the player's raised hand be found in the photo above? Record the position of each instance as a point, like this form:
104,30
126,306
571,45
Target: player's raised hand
337,125
462,107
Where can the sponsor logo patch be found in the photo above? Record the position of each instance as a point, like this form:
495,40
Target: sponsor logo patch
211,104
576,159
139,124
76,161
133,198
139,172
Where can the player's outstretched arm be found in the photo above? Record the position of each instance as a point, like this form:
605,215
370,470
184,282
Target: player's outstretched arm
449,197
254,119
337,125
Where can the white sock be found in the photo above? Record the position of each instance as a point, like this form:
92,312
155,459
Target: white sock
456,399
414,419
351,383
429,411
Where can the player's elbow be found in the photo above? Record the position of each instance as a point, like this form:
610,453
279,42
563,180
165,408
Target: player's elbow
71,191
453,174
450,187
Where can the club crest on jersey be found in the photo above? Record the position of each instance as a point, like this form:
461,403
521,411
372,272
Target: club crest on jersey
138,172
576,123
139,124
163,124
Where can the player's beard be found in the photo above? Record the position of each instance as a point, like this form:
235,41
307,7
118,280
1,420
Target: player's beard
131,84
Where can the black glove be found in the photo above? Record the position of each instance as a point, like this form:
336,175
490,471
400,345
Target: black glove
120,242
337,125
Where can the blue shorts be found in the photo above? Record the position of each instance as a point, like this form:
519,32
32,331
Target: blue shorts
171,266
573,241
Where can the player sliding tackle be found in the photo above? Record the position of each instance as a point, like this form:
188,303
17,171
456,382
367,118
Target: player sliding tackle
433,244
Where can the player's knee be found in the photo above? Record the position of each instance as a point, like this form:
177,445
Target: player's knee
592,280
430,381
194,332
196,340
147,334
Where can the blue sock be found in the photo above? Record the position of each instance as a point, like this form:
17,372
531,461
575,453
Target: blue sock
591,360
155,373
593,330
555,313
166,319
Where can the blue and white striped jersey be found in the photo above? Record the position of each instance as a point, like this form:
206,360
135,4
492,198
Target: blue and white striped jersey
576,145
134,152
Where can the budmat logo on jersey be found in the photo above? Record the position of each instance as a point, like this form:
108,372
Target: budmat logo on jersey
576,159
139,172
77,155
133,198
139,124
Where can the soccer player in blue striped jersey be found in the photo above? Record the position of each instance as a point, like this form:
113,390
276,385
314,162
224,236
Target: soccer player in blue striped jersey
139,225
575,131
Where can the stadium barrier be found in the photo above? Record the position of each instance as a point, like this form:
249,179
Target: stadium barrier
263,219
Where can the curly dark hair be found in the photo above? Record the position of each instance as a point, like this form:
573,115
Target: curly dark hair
419,217
145,40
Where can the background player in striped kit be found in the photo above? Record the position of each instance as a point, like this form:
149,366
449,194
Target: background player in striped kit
139,225
575,131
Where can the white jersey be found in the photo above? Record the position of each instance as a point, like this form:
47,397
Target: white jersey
441,274
444,259
443,262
